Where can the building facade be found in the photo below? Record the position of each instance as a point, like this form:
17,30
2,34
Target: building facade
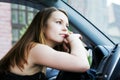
5,28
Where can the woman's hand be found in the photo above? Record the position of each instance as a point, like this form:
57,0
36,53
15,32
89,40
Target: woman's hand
73,36
69,38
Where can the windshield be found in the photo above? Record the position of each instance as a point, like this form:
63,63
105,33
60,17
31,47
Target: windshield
104,14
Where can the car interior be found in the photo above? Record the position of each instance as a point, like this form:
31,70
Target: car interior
105,54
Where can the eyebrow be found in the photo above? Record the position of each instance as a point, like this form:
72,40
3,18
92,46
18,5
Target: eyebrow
63,21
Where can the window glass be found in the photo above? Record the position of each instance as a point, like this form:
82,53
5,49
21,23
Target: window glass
15,17
30,17
15,34
22,17
14,6
21,7
30,9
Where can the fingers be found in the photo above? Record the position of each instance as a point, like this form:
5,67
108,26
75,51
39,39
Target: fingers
79,35
65,47
76,35
65,41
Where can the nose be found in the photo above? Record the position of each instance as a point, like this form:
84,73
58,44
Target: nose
65,28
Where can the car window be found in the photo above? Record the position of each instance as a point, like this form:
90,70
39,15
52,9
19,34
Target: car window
104,14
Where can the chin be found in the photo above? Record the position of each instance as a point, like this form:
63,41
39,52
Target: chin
59,42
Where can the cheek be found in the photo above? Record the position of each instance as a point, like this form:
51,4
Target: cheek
53,29
49,33
52,33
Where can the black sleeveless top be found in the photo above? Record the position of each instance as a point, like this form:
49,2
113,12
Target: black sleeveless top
12,76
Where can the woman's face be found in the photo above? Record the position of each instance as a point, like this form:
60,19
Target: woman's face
56,29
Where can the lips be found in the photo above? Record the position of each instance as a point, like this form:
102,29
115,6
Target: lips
64,35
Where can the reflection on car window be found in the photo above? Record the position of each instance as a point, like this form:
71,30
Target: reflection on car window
104,14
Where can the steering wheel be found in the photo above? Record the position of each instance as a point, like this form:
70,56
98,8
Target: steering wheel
110,65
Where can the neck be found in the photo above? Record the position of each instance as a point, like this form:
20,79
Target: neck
51,44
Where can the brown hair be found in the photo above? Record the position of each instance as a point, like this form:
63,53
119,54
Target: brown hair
34,34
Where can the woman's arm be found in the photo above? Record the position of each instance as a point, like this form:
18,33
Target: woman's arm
76,61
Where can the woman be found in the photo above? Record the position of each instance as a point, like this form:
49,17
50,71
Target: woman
46,43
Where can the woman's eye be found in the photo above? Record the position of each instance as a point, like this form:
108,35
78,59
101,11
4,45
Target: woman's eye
59,22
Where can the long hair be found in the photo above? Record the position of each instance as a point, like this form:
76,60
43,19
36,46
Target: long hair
18,54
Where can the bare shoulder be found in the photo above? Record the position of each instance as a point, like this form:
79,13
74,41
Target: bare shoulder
41,54
41,51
